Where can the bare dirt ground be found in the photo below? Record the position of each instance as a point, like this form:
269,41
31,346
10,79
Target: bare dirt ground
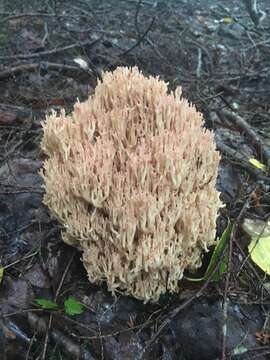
219,53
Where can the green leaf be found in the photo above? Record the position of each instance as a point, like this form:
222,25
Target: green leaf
73,307
47,304
1,274
220,247
222,269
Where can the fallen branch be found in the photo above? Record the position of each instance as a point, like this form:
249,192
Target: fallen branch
241,161
10,17
36,66
50,52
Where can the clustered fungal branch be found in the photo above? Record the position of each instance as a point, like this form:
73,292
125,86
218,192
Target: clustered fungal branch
131,175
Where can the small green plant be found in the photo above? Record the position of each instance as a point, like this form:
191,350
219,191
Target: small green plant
71,306
218,252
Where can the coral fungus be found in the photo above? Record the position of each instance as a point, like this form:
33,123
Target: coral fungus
131,175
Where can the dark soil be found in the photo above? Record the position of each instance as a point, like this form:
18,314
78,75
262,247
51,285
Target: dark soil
219,53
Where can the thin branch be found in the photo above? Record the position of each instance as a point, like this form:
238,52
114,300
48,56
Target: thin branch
141,38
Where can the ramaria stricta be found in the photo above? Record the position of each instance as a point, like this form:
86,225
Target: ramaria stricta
131,175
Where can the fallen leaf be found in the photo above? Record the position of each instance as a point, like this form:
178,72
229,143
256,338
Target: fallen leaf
227,20
257,164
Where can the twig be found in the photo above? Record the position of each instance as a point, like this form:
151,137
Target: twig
19,260
69,346
225,297
141,38
248,262
256,14
227,282
136,17
139,3
209,57
199,66
101,341
46,35
44,352
19,16
254,137
50,52
27,191
64,276
255,45
177,310
242,161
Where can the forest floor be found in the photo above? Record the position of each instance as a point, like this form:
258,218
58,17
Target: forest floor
219,54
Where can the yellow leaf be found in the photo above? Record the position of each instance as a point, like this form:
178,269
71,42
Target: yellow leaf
259,250
257,164
227,20
1,274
